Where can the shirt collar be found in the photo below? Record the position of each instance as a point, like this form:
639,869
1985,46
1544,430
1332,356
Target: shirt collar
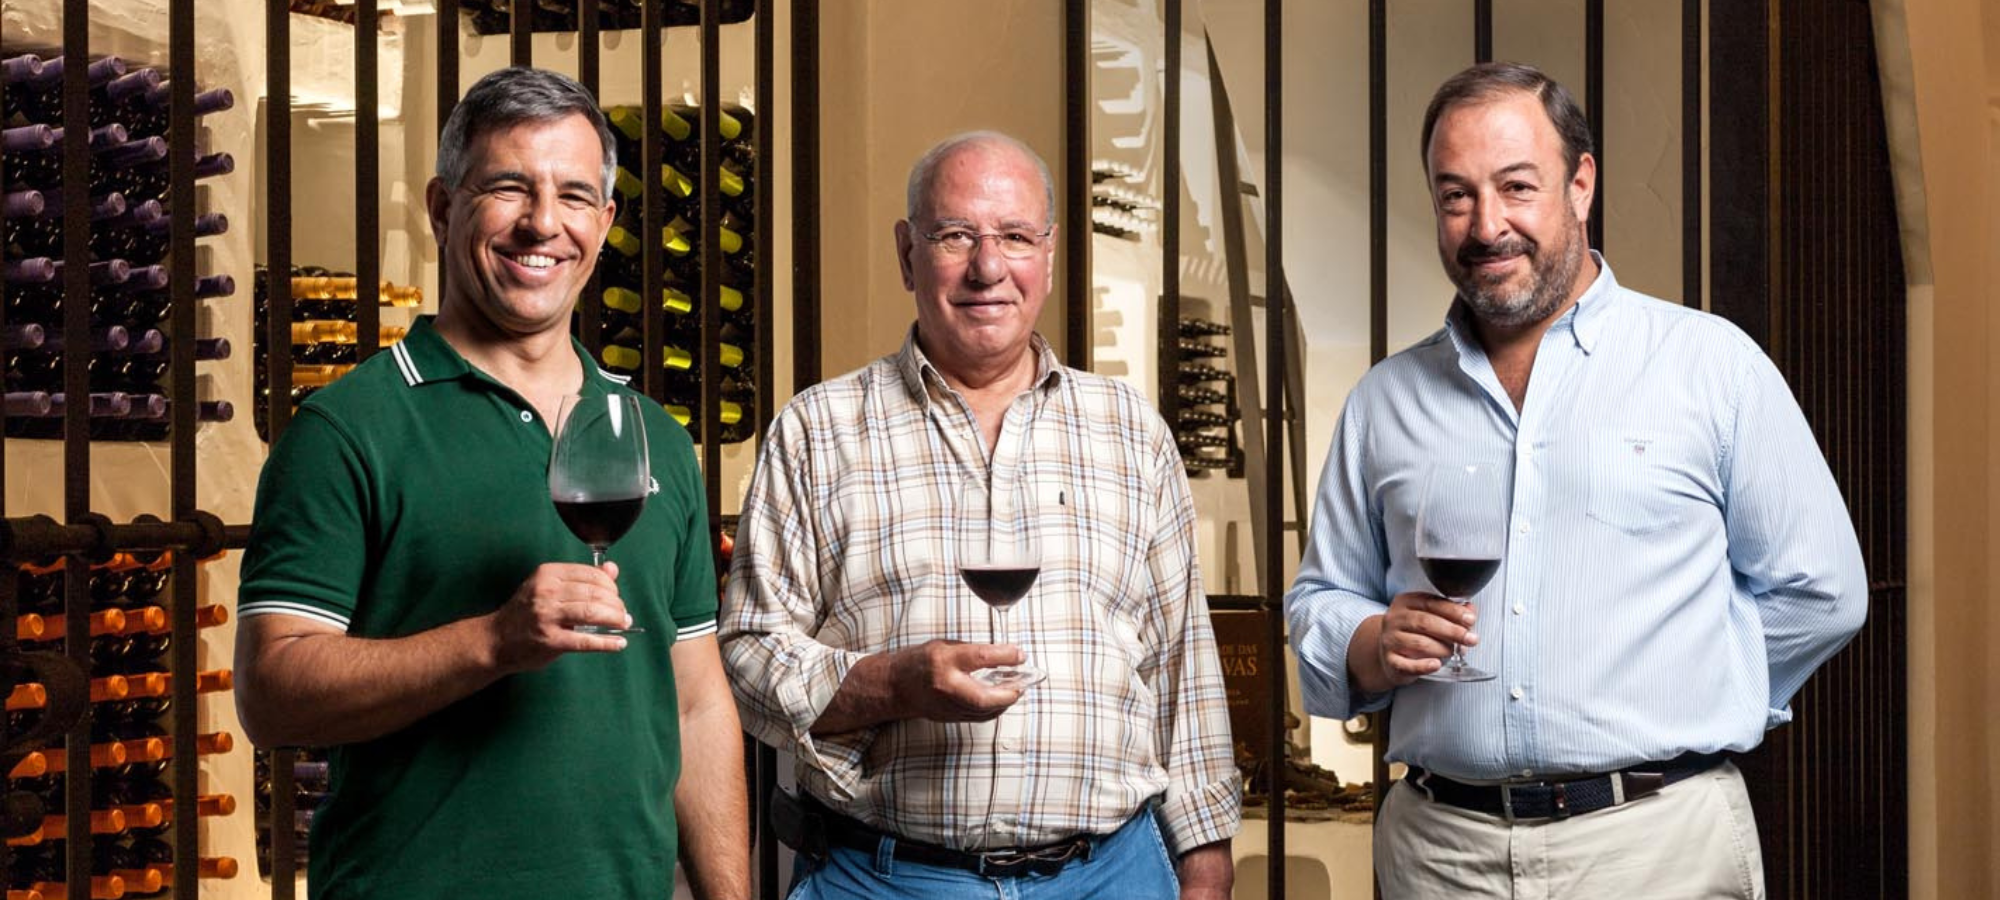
423,356
921,378
1583,322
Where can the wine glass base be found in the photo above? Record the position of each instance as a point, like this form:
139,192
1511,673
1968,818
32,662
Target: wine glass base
605,629
1017,677
1459,675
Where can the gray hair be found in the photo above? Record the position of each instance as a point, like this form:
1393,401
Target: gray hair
510,97
920,174
1487,82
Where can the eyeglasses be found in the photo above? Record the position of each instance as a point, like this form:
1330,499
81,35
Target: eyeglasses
958,243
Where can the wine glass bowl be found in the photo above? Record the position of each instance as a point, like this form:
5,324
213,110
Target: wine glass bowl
1461,538
999,559
600,473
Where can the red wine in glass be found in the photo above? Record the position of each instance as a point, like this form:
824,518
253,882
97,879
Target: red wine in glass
600,474
1461,535
999,558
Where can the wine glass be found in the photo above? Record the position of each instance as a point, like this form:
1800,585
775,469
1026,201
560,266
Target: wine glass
999,558
600,473
1461,535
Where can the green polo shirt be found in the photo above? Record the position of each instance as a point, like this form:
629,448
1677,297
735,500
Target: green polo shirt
413,493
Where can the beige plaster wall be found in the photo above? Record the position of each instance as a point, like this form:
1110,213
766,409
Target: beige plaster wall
896,77
1942,88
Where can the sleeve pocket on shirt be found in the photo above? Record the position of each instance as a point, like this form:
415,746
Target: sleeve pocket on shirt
1633,480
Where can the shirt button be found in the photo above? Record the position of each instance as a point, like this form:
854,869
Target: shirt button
1527,773
527,416
1526,452
1522,527
1520,609
1517,693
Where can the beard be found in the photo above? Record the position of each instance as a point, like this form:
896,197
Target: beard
1551,274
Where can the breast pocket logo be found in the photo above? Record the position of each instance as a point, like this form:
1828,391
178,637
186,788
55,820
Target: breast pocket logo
1638,445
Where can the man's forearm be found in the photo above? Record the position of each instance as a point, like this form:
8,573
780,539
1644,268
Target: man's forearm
324,688
1207,871
710,803
867,697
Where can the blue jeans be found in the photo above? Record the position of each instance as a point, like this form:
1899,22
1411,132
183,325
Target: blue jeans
1131,862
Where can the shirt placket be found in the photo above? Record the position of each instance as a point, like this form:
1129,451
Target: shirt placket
1528,552
1010,730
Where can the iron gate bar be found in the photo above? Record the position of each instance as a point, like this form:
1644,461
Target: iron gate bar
447,90
181,453
1378,270
652,151
1593,88
1170,215
367,183
1274,423
806,335
1692,289
1482,31
1075,88
278,361
589,308
711,265
520,32
763,231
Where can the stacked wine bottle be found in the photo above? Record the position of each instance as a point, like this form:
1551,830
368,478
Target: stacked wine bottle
620,265
325,338
130,225
1116,210
309,789
131,693
1206,414
496,16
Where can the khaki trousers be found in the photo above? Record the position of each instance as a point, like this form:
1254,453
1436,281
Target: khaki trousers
1694,839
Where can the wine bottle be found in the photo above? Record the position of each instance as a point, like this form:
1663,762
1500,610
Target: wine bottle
1193,349
1196,373
1191,327
1199,418
1201,439
1193,394
335,331
619,356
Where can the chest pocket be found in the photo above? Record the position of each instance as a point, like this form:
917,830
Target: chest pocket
1640,481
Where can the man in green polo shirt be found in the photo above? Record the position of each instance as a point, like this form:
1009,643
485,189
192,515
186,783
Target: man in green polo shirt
410,598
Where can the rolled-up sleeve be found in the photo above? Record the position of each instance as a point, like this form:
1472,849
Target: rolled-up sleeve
784,678
1340,581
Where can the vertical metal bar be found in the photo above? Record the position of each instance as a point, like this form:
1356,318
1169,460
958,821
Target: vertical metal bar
1692,293
447,90
1170,210
1378,270
652,150
1378,180
1275,326
711,264
805,195
521,33
367,183
181,421
763,236
1593,79
589,307
76,415
1482,31
1076,184
278,360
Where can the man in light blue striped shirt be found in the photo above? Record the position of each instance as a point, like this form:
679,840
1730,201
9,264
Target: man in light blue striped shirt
1677,556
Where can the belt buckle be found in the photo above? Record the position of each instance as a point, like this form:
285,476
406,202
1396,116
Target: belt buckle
1046,861
1558,801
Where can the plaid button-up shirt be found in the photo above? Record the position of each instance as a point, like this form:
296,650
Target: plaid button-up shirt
847,547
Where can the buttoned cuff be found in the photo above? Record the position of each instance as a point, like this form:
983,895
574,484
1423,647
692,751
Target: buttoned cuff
1203,815
804,694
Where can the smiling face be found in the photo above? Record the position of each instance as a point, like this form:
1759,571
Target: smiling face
1509,216
521,231
976,312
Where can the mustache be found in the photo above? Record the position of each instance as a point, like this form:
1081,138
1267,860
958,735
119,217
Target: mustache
1473,252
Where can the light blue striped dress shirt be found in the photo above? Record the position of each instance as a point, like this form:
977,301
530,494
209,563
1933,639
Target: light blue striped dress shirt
1678,557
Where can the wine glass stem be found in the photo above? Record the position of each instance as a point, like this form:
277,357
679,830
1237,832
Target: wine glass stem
597,557
1457,662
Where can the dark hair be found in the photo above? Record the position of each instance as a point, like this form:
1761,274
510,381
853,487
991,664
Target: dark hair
509,97
1487,82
